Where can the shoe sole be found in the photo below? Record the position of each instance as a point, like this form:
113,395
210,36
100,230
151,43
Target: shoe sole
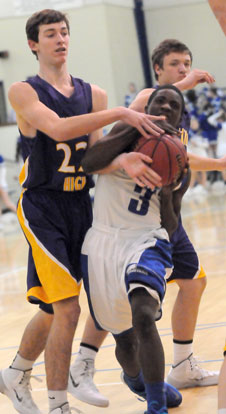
104,403
182,385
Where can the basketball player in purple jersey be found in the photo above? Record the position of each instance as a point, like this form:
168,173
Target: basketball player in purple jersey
171,62
54,210
219,9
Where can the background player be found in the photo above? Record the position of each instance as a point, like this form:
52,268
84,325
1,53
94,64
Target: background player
219,9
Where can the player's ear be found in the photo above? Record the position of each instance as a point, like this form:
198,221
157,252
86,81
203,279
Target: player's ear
157,69
32,45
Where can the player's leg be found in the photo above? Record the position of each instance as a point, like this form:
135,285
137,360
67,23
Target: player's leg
17,376
15,380
190,277
150,351
82,370
222,387
58,350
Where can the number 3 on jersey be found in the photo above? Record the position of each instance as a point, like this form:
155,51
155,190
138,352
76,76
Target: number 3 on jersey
141,206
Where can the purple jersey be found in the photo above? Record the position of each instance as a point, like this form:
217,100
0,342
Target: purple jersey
54,165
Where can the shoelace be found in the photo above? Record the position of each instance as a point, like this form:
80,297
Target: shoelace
25,380
195,366
89,369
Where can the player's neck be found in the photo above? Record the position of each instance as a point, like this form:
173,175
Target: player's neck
57,76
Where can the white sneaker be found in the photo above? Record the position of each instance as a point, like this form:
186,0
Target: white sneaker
81,385
16,385
188,374
64,409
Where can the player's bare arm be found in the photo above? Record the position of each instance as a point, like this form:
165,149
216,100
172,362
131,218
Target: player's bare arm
198,163
109,154
219,9
193,78
32,112
100,103
170,199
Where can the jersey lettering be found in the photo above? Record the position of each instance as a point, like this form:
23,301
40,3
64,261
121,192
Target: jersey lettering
74,183
65,167
141,206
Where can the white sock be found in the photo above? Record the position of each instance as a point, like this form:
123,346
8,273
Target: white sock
21,363
181,352
56,399
222,411
85,352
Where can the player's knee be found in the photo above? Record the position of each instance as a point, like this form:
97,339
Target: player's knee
143,313
67,310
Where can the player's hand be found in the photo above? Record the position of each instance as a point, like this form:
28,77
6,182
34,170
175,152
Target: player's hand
168,128
137,166
146,124
195,77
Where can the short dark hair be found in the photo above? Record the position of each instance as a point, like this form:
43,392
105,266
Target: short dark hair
45,16
159,88
166,47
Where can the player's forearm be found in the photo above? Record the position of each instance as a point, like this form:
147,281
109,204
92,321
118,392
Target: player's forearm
198,163
103,152
169,219
219,9
65,129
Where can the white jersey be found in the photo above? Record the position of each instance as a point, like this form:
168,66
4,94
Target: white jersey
120,203
125,248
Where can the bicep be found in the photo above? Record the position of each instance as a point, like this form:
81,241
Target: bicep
141,100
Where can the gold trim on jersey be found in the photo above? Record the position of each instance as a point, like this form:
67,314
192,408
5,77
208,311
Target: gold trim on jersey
56,281
199,274
184,136
24,172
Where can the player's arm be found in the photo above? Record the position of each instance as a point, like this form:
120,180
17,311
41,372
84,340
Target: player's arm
195,77
170,202
108,155
34,113
198,163
219,9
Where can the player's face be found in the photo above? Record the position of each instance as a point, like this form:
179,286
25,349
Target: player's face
53,42
176,67
167,102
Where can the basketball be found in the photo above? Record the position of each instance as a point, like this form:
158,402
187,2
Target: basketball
168,154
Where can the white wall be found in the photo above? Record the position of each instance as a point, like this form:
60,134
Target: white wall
103,50
196,26
104,46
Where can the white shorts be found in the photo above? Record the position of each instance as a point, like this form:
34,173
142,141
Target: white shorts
114,262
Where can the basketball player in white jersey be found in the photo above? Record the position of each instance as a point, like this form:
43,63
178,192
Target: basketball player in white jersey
126,259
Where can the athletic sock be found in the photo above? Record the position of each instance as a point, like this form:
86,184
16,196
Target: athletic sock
137,383
22,364
87,351
56,399
156,396
181,350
